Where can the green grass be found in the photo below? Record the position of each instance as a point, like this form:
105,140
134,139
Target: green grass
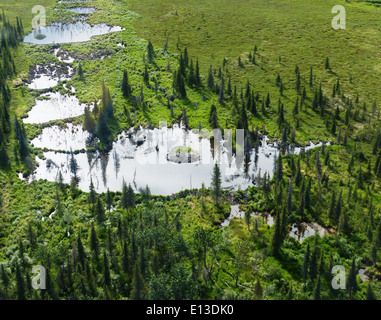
131,58
298,31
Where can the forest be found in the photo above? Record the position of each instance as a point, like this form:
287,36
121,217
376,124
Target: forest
76,95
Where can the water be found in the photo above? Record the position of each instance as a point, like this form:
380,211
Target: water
82,10
141,158
45,77
234,213
269,220
43,82
299,232
72,137
63,56
55,107
51,215
68,32
305,230
362,275
72,89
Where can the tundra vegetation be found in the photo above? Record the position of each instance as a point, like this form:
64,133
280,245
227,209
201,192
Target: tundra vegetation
272,68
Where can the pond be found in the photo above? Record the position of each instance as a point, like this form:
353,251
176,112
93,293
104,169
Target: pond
72,137
234,213
305,230
299,232
141,157
63,32
55,106
48,76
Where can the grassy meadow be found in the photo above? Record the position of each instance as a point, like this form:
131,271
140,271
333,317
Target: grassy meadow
131,245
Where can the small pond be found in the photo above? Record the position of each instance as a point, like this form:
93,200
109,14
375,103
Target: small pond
62,32
299,232
48,76
55,106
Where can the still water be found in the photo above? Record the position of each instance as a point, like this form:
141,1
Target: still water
61,32
141,158
55,106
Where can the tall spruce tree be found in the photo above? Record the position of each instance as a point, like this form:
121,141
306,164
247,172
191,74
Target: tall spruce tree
216,184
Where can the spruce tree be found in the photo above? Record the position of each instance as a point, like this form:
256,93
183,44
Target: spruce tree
80,71
150,52
352,280
295,111
5,279
106,271
126,88
314,264
138,284
277,236
213,118
210,79
146,75
306,262
81,251
4,159
317,293
100,211
109,200
131,197
298,81
281,116
327,67
92,193
221,95
331,213
94,243
125,259
89,122
307,196
216,184
369,293
279,169
20,285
